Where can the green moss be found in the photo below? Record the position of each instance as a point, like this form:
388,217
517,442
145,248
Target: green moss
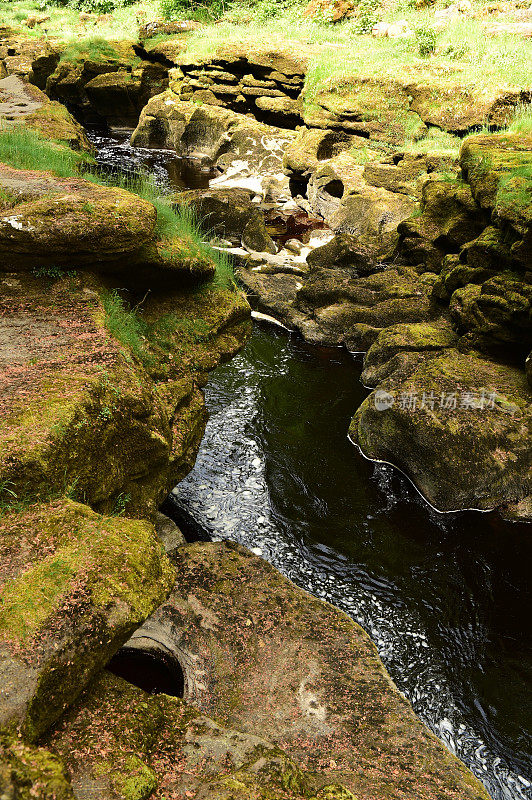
135,781
94,49
96,559
29,772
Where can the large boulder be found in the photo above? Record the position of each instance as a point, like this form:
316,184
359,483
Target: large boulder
403,342
449,219
75,585
459,426
274,662
339,192
249,153
164,745
230,214
32,59
100,399
56,223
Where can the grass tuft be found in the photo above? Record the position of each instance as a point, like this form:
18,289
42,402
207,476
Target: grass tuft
24,148
522,120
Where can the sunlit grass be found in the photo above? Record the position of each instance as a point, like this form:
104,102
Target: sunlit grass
24,148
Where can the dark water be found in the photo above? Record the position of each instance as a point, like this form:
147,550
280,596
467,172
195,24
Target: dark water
444,596
118,157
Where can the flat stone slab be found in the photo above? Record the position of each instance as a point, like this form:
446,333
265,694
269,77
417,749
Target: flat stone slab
264,657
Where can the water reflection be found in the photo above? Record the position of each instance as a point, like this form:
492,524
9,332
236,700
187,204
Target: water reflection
444,597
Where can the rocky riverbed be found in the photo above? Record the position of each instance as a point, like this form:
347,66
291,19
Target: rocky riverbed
383,253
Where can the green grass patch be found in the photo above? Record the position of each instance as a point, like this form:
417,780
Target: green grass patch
522,120
91,49
24,148
149,341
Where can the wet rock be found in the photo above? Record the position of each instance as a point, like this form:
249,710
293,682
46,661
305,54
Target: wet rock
417,338
93,580
459,426
247,152
258,661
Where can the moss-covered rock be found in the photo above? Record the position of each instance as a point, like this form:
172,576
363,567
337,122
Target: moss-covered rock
338,191
31,58
449,219
415,338
458,109
499,310
91,582
107,418
230,214
132,744
311,146
374,107
27,772
23,103
249,152
274,662
457,425
69,222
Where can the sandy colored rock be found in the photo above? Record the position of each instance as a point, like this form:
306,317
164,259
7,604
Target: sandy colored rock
272,661
23,103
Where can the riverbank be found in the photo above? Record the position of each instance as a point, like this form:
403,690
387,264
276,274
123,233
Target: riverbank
123,311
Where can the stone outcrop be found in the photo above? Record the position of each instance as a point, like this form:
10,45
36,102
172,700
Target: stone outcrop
274,662
164,744
265,83
23,103
75,585
80,409
32,59
458,425
64,223
249,153
110,82
231,215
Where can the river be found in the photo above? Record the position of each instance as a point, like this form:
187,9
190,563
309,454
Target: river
445,597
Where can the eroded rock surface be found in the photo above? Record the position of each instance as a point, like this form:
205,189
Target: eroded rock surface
274,662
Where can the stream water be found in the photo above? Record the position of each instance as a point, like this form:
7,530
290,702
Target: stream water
443,596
